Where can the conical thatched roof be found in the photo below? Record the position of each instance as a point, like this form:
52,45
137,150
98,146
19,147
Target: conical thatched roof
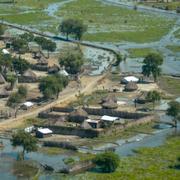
86,125
142,98
110,104
29,74
2,80
43,60
79,112
109,98
78,115
131,86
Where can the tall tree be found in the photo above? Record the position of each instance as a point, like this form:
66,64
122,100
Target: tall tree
11,78
153,96
72,60
5,63
151,65
14,101
29,37
50,86
2,30
25,140
49,45
174,111
20,45
20,65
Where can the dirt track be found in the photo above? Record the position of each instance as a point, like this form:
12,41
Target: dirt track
89,84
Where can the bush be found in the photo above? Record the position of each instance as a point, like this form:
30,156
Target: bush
107,162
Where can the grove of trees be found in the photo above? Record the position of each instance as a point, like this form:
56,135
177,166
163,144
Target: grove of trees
73,27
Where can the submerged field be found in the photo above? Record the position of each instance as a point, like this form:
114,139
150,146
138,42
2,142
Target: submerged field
106,23
111,23
150,163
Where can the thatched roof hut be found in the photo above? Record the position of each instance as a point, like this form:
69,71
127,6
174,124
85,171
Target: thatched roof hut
109,102
141,99
28,76
78,115
4,93
131,86
109,98
2,80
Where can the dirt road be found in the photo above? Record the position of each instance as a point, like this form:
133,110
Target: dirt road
88,85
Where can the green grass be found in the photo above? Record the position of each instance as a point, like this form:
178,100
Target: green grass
171,85
114,24
136,53
177,34
149,163
174,49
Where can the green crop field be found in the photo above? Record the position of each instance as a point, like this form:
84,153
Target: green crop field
143,52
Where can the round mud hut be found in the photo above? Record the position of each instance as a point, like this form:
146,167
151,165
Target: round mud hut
131,86
53,69
109,102
78,115
2,80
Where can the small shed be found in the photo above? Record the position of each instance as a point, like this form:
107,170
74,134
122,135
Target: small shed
43,132
5,51
86,125
64,72
109,118
128,79
27,105
93,123
78,115
29,76
131,86
2,80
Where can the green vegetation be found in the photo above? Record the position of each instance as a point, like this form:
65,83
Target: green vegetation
28,142
177,34
152,63
153,96
51,86
174,111
136,53
72,59
175,49
114,24
107,162
149,163
170,84
73,27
